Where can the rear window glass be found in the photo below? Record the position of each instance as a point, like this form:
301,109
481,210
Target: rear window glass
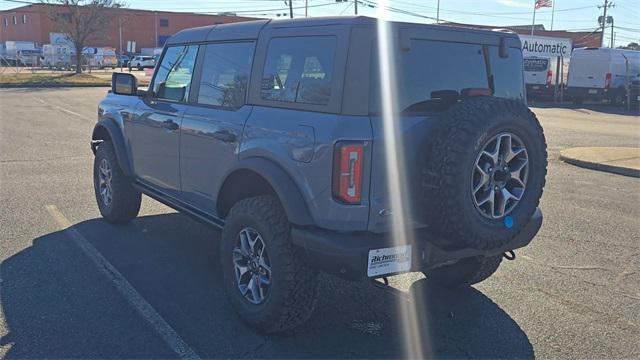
536,64
299,69
433,75
225,74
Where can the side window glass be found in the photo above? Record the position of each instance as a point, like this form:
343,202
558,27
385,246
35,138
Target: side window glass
173,77
299,69
225,74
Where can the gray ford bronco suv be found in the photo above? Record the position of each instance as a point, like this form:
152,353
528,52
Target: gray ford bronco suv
273,131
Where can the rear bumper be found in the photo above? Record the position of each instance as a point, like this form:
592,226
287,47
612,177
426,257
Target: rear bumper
584,93
534,90
347,254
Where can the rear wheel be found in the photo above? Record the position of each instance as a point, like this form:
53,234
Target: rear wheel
267,279
465,272
118,200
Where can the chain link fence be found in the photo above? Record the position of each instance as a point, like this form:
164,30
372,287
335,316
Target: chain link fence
64,63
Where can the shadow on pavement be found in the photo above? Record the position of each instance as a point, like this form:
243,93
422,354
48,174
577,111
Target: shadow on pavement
57,305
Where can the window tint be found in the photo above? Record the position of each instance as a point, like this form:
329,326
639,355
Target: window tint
508,80
173,76
433,74
225,74
299,69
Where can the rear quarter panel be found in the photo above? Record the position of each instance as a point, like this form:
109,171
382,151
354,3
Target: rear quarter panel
302,144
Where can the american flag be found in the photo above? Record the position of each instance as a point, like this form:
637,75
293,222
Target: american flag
543,3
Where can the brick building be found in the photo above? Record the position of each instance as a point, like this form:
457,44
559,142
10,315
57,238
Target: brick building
146,27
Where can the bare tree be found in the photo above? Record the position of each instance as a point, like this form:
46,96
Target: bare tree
82,21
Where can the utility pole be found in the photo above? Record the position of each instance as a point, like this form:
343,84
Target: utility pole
611,18
606,5
306,8
291,9
438,13
355,3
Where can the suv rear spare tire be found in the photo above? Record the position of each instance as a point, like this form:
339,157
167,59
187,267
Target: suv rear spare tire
484,172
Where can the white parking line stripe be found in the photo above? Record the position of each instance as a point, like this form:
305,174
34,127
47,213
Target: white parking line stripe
166,332
62,109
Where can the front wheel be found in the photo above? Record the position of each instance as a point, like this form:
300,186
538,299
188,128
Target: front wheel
465,272
118,201
267,279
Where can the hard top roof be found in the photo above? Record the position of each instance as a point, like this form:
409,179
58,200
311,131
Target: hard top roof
251,29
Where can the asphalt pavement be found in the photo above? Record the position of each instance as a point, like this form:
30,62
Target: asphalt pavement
94,290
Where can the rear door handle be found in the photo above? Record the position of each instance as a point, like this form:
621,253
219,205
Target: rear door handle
225,136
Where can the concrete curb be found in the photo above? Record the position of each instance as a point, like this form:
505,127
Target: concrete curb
572,156
16,86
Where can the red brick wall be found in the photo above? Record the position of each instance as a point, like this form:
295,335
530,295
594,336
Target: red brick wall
137,25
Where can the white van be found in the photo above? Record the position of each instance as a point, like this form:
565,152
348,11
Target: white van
56,56
599,74
539,76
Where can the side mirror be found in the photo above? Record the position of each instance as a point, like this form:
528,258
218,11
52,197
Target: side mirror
124,84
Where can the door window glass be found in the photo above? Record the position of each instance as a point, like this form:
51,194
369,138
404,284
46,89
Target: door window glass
173,76
225,74
299,69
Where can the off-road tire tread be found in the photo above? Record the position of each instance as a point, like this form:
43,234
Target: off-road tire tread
126,199
439,210
301,292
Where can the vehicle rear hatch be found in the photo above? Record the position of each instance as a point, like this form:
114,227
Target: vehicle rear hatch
589,68
434,71
535,70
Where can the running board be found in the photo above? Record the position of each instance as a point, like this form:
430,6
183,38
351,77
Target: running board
179,205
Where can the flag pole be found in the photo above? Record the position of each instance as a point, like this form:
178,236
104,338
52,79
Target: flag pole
553,10
534,17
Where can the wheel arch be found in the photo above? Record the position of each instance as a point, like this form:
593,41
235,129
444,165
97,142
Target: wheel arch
258,176
107,129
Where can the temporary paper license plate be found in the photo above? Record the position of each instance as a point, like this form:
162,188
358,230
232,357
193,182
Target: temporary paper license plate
593,91
389,260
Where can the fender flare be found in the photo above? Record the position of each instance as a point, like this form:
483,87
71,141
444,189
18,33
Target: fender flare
117,139
282,184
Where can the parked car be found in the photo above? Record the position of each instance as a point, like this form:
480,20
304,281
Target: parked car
272,131
599,74
123,60
142,62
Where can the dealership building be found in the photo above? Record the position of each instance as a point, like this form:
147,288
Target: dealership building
146,28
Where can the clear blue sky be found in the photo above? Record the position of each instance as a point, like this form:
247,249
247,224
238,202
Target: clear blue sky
579,15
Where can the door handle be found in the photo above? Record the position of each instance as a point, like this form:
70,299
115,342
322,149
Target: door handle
170,125
225,136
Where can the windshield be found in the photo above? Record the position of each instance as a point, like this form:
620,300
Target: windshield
433,75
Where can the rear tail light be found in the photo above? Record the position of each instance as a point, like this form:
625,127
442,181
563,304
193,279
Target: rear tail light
549,77
607,81
347,172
